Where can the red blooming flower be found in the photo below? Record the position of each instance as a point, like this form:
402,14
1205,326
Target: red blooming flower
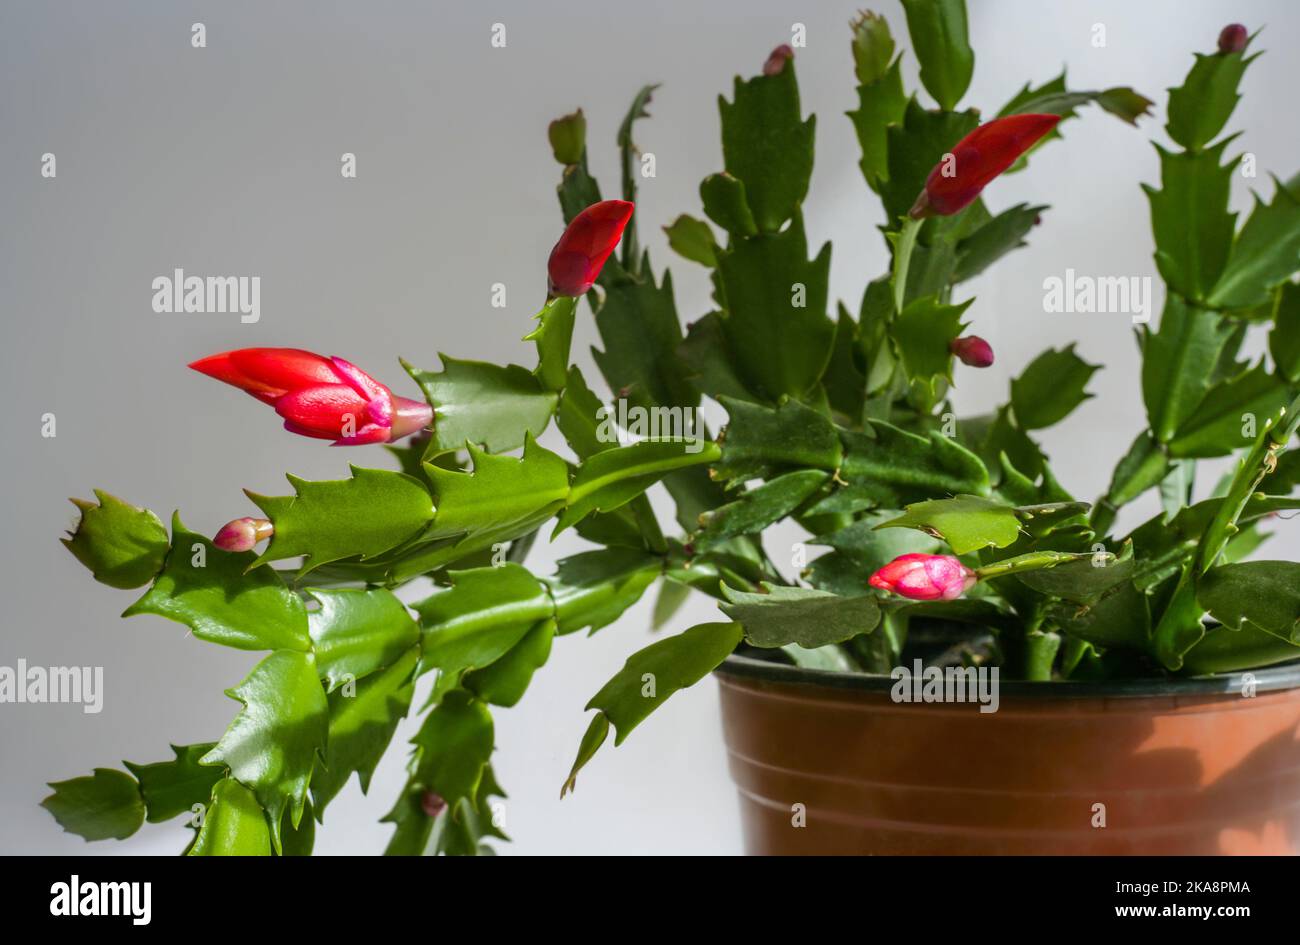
924,577
976,159
972,350
580,254
327,398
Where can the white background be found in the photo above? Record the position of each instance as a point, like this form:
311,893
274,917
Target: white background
225,160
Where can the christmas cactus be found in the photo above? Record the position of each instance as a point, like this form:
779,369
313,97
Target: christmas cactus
937,527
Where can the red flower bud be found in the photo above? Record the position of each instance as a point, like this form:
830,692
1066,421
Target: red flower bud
1233,38
776,61
924,577
580,254
976,159
326,398
243,533
432,804
972,350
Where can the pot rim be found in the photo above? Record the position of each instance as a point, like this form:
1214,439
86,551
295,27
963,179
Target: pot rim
1267,679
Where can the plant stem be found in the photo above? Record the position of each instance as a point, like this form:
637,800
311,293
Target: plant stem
1040,653
1259,462
903,258
1033,561
1103,516
648,524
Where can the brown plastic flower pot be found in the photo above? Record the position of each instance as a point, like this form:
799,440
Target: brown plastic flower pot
1186,766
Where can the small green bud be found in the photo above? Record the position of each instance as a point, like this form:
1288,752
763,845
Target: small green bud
693,240
873,47
568,137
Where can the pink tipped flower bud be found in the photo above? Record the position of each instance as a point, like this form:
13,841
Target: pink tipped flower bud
585,245
243,533
972,350
776,61
432,804
1233,38
924,577
326,398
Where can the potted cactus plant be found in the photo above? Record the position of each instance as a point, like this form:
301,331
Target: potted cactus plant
979,663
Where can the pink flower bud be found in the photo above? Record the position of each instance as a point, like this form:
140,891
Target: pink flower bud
581,252
243,533
1233,38
924,577
972,350
432,804
326,398
776,61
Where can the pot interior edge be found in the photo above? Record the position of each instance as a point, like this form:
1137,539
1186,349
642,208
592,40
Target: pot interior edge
1268,679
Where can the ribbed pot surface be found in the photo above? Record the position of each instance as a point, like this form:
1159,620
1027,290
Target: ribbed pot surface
1184,772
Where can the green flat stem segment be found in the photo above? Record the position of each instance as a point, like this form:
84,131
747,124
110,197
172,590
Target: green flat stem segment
1259,462
903,258
1034,561
1040,653
1103,517
709,452
648,524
